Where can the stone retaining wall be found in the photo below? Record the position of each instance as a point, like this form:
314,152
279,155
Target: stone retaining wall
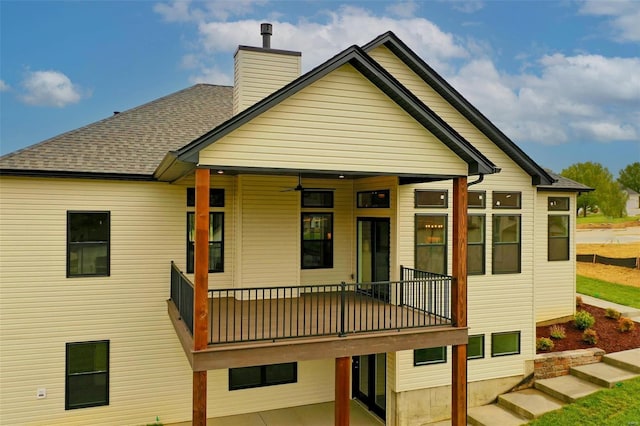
556,364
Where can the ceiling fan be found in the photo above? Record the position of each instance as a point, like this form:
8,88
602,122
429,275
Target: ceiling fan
301,188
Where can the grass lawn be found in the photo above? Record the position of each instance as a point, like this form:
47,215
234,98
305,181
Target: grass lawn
616,293
619,406
600,218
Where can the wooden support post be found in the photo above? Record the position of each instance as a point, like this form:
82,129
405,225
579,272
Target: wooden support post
459,302
343,370
201,293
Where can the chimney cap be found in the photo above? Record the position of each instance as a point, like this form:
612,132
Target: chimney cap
266,30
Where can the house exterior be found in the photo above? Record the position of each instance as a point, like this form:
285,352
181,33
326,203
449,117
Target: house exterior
360,231
633,202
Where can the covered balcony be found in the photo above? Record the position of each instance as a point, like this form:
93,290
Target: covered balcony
316,321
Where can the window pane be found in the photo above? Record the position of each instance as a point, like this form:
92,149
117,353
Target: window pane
87,371
505,343
216,241
216,197
558,226
87,357
246,377
281,373
316,226
317,254
559,249
317,240
88,226
506,200
430,356
373,199
506,229
477,199
559,203
475,227
506,258
87,390
431,259
475,347
430,229
430,198
317,199
475,259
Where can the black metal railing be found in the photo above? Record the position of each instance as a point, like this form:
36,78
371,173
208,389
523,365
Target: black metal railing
182,295
426,291
273,313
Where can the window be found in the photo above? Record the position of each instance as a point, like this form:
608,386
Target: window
558,241
430,198
88,244
373,199
430,356
477,199
216,241
506,244
506,200
87,375
505,343
475,347
263,375
431,243
317,240
558,204
317,199
216,197
475,244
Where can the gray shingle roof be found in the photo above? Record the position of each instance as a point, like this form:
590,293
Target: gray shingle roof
564,184
132,142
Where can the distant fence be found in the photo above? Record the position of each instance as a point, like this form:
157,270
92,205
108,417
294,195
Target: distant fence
628,262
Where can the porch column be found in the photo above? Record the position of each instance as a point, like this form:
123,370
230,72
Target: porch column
343,381
201,294
459,302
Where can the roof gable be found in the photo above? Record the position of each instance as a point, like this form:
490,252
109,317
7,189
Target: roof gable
464,107
356,57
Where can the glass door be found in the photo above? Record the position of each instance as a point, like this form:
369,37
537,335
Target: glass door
373,255
370,381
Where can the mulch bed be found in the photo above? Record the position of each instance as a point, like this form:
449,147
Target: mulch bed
609,338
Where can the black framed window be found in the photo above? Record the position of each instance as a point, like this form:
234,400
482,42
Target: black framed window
317,240
431,198
216,241
216,197
558,204
558,237
263,375
506,343
475,347
87,374
477,199
506,200
374,199
317,199
506,244
431,243
88,243
430,356
475,244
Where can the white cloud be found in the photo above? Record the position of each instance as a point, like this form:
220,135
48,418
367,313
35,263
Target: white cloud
49,88
403,9
623,16
185,10
212,75
4,86
467,6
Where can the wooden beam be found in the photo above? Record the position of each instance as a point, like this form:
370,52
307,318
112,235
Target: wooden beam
343,381
201,293
459,302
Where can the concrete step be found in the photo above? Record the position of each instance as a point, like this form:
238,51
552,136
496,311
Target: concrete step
566,388
602,374
627,360
529,403
494,415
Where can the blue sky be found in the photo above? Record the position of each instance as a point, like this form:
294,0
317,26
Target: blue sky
560,78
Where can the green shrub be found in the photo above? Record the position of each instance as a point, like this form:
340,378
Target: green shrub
626,325
557,332
544,344
590,336
612,313
583,320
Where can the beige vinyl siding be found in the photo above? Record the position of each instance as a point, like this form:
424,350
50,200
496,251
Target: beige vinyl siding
259,74
341,122
555,281
315,384
41,309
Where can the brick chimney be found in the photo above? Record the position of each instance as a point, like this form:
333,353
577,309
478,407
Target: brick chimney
260,71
